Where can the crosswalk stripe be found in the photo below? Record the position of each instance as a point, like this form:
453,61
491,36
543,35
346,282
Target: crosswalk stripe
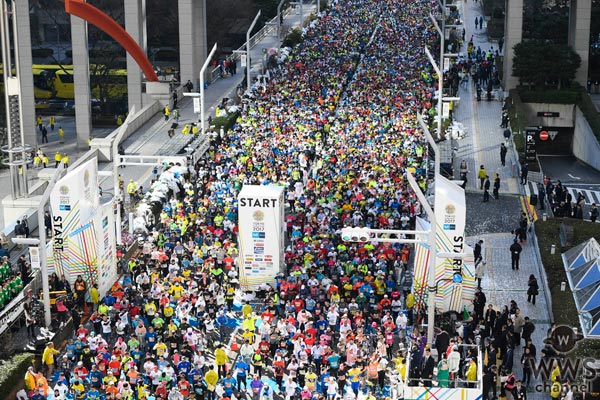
589,196
534,188
527,190
573,193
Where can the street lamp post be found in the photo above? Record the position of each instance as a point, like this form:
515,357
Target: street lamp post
201,78
441,67
440,70
433,145
41,242
16,148
279,18
431,241
373,235
116,163
248,59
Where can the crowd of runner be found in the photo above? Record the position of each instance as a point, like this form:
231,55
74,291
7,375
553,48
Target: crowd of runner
336,125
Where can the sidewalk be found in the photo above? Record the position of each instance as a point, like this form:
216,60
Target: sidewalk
501,285
481,119
480,146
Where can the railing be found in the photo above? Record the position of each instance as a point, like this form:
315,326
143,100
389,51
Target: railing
269,27
144,115
214,74
12,312
455,381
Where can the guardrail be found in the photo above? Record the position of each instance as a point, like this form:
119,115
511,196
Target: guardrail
200,147
266,30
214,74
12,312
456,381
269,27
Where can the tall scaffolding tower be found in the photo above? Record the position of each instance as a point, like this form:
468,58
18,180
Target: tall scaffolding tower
16,148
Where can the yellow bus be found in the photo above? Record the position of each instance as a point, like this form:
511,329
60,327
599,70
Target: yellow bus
43,84
61,77
53,81
114,80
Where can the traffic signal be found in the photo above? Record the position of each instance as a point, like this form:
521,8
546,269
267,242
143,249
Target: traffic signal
356,234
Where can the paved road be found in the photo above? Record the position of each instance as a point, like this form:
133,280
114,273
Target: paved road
590,191
568,169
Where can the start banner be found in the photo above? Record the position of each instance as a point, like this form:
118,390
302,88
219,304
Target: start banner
261,234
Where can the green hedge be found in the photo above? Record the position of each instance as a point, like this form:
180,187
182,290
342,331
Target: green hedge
292,38
516,113
12,372
553,96
495,28
487,7
225,122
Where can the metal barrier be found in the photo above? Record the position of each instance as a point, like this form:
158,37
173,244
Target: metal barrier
456,382
269,27
13,311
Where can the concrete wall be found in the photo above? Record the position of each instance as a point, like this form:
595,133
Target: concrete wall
16,209
585,144
142,117
28,124
134,24
580,17
162,91
513,33
81,77
565,120
192,38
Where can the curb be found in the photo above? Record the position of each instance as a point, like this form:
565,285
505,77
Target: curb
542,272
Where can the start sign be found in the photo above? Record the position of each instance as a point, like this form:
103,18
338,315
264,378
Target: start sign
544,135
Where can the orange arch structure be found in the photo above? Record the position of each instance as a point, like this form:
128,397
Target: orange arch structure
91,14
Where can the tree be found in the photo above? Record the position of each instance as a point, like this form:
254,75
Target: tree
541,63
162,23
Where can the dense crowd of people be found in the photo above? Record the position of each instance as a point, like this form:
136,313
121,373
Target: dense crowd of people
336,126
